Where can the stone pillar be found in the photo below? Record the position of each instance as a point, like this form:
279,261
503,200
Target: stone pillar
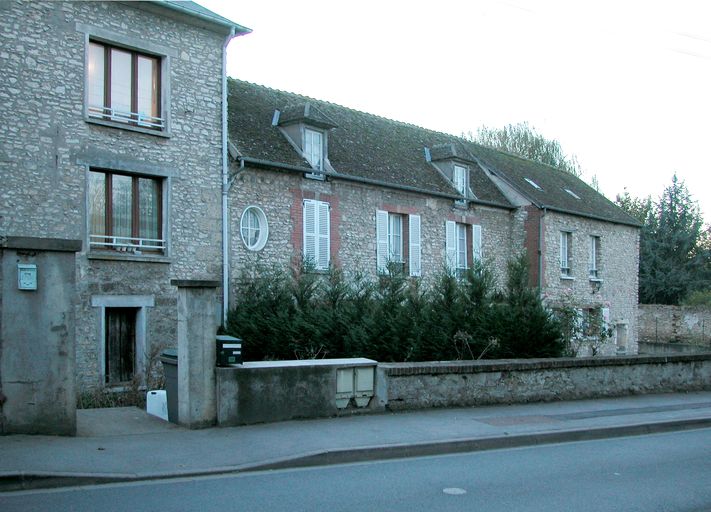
196,352
37,339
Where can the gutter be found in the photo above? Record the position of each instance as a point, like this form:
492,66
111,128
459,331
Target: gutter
179,6
368,181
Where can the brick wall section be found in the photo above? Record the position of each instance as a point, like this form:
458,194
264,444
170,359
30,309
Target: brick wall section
675,324
45,148
532,234
619,261
353,209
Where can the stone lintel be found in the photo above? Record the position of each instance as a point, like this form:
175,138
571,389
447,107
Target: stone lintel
194,283
28,243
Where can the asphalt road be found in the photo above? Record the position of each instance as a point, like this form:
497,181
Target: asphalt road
664,472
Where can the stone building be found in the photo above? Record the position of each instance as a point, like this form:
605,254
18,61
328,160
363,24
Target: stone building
317,181
113,115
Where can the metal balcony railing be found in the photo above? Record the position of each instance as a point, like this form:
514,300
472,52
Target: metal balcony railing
126,243
134,118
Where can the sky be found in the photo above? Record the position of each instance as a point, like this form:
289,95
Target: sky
623,85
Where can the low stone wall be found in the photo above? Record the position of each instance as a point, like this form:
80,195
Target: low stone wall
468,383
651,348
259,392
674,324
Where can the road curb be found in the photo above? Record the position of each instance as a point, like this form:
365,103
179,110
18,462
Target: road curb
44,480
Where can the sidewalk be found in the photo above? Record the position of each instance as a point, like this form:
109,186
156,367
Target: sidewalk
126,444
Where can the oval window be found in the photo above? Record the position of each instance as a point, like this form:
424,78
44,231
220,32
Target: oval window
253,228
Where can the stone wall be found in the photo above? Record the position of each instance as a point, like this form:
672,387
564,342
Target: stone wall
353,211
50,144
617,271
469,383
675,324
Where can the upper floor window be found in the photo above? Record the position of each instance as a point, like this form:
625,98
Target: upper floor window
460,256
313,148
460,179
594,257
317,233
566,247
124,86
398,242
125,212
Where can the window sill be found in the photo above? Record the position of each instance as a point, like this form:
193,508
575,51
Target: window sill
596,280
123,126
567,278
115,256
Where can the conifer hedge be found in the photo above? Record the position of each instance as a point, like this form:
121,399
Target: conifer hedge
301,314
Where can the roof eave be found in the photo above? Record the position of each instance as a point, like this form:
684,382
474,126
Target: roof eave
180,7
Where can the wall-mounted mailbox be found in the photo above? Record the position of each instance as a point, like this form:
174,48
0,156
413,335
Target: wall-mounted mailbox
229,350
26,276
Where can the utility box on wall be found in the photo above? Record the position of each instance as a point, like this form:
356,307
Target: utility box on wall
356,383
229,350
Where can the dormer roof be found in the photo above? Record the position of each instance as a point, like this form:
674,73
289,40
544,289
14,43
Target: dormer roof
306,113
451,151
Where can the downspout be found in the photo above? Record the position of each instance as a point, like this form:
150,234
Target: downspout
225,186
540,250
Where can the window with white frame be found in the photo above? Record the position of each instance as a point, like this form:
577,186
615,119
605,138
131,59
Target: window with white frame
594,257
317,233
460,179
124,86
566,248
313,148
459,256
125,212
392,247
254,228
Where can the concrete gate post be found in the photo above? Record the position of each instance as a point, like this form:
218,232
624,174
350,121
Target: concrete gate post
37,341
196,352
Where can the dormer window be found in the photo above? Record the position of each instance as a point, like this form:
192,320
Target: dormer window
460,179
306,127
313,148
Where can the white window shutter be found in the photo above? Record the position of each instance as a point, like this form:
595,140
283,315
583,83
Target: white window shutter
310,241
415,249
324,236
381,240
605,317
451,245
476,242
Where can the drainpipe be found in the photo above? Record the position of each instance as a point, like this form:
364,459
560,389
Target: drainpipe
540,250
225,185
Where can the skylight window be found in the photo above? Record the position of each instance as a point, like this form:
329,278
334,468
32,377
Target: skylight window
533,183
576,196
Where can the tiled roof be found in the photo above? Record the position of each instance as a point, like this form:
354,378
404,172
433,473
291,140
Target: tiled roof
362,145
374,148
559,190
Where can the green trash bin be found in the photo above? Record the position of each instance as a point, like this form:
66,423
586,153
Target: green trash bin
169,358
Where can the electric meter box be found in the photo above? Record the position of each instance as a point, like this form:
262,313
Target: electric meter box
229,350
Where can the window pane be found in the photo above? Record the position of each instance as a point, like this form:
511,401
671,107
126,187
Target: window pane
97,203
149,208
120,83
395,237
461,246
121,192
148,86
95,74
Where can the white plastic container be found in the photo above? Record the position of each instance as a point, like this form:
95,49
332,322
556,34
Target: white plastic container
157,404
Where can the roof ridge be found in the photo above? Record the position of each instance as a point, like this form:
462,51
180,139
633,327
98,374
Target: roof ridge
363,112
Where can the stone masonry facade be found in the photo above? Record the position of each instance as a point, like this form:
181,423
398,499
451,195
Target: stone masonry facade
618,261
48,145
352,217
